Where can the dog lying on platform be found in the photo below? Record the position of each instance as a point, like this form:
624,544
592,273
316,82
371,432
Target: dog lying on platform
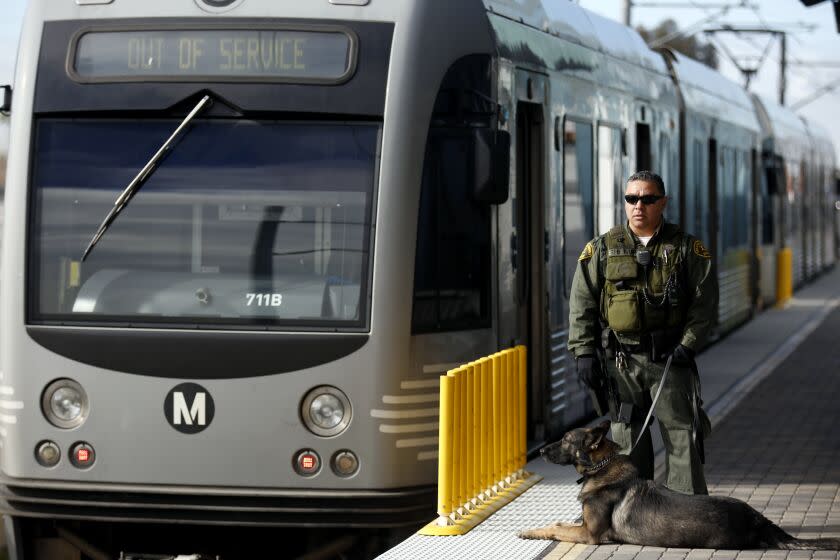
621,507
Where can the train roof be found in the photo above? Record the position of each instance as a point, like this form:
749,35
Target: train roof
783,131
817,131
569,21
707,91
821,140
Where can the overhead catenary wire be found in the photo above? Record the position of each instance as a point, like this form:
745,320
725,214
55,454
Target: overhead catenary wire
685,31
788,63
827,88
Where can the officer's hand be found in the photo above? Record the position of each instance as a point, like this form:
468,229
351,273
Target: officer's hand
683,355
588,371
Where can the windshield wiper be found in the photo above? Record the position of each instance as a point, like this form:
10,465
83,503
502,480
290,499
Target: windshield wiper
147,171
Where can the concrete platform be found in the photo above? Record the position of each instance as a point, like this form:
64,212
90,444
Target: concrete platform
772,389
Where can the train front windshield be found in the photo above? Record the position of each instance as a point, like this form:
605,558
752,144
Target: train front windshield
245,223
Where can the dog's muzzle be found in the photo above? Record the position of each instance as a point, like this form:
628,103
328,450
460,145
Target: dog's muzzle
554,453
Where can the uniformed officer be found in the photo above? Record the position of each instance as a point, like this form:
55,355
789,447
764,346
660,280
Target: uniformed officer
643,291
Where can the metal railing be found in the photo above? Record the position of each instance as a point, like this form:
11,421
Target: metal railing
482,441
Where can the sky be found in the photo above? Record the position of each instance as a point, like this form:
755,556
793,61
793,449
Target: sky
808,46
805,46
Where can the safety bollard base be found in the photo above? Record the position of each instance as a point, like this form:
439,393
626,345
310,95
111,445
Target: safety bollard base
474,518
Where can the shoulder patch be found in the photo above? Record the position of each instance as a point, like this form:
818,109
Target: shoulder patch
586,253
700,250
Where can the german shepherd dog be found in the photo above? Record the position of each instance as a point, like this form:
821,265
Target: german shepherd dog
621,507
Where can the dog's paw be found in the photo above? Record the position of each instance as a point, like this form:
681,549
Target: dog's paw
530,534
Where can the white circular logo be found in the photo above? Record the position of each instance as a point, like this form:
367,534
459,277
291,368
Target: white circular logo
189,408
218,6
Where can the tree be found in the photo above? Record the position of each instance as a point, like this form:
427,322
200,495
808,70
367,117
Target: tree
687,45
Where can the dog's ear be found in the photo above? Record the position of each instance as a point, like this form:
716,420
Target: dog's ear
598,433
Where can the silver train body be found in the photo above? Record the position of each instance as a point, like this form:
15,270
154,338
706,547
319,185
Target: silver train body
317,228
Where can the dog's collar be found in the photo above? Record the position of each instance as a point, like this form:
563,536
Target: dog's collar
596,467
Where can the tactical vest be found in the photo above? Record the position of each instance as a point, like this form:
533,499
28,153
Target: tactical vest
632,303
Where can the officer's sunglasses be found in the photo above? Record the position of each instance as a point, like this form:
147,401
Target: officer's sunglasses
646,199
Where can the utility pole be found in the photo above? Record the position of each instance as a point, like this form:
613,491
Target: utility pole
763,30
628,6
783,70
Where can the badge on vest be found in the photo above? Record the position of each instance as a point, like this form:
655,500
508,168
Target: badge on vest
587,253
700,250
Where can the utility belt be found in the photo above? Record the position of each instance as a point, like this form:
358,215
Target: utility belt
657,344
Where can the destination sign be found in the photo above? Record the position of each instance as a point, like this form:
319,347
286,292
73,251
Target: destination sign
283,55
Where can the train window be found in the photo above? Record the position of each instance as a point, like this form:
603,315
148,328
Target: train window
769,189
452,260
742,190
771,173
726,198
452,263
578,211
246,222
610,182
694,194
671,186
643,147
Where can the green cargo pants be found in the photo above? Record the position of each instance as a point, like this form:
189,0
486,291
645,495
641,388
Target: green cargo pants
637,384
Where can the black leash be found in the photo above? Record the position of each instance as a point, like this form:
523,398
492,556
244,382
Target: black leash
653,404
696,428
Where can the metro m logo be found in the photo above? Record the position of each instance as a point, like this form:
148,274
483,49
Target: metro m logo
189,408
194,413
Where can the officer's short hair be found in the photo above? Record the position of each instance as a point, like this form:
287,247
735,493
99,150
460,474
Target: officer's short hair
648,177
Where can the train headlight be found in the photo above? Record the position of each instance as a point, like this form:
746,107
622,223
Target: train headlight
65,403
326,411
345,463
47,453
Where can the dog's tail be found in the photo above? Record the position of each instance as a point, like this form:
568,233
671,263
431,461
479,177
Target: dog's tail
779,538
811,544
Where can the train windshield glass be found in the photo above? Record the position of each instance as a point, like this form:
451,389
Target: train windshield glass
257,223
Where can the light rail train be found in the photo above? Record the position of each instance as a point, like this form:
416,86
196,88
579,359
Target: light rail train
243,238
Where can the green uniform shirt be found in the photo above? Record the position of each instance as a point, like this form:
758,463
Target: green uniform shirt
697,281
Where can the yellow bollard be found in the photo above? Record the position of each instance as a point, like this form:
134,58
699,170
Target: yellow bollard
497,420
520,418
462,438
457,457
445,447
509,424
487,423
468,435
476,428
482,441
784,276
523,407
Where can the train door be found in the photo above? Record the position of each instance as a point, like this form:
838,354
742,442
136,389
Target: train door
610,181
754,235
714,223
695,188
644,152
530,244
806,241
573,230
772,185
